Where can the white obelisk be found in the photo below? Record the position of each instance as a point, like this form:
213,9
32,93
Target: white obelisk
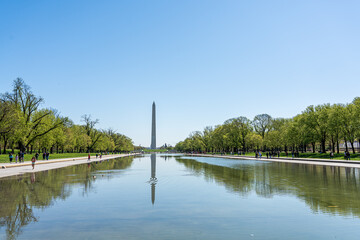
153,128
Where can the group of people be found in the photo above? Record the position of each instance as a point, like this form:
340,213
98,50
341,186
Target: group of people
347,155
270,154
258,154
18,157
45,155
294,154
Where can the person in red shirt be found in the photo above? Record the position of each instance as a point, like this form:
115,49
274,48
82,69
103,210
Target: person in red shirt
33,162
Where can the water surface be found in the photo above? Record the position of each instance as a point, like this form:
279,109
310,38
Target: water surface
178,197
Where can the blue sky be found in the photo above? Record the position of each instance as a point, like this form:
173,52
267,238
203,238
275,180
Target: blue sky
202,62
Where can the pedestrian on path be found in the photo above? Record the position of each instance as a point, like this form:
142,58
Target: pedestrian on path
16,158
20,155
33,162
10,157
47,155
348,155
89,157
331,155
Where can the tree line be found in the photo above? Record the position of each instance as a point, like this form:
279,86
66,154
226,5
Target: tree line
318,128
24,125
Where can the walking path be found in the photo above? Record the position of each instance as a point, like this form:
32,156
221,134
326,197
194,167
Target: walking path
12,169
312,161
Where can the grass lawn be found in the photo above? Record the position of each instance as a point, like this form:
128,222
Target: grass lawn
4,158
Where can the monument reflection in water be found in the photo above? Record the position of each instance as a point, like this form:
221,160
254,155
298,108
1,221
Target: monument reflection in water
153,179
201,198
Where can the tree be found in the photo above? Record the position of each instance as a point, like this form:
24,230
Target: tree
90,130
254,140
32,120
207,138
262,124
336,125
356,103
350,124
241,127
9,121
317,118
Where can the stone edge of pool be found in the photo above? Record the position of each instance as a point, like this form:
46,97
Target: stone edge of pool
14,169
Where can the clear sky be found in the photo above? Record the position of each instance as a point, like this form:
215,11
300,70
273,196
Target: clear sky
202,62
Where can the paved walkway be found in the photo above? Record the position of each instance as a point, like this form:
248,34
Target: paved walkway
312,161
12,169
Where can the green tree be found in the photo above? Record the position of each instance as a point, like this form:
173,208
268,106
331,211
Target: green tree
317,118
90,130
255,140
356,103
351,126
207,136
32,120
262,124
336,125
9,122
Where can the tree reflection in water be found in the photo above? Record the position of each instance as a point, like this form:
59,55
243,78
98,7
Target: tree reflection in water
19,195
333,190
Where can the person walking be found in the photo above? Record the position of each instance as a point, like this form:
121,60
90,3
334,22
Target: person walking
33,160
331,155
47,155
37,155
16,158
10,157
89,156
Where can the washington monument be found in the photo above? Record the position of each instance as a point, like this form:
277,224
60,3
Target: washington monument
153,128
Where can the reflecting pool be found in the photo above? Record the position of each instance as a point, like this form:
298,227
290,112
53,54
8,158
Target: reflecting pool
180,197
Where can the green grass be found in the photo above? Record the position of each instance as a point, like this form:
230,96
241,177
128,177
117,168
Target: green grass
4,158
